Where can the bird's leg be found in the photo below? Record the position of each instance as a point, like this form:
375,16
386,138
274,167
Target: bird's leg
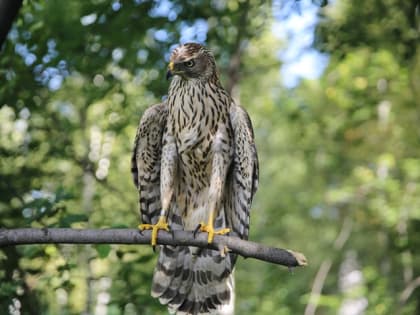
167,174
217,183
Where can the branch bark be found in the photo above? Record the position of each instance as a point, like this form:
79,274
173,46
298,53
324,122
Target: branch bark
11,237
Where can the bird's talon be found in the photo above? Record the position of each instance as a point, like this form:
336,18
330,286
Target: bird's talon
226,249
143,227
198,228
223,249
212,232
160,225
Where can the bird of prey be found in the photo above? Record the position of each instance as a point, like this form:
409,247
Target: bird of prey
195,166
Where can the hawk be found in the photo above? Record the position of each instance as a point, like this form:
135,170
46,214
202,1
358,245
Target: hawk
195,166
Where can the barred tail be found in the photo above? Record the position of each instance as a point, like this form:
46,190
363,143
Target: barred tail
192,281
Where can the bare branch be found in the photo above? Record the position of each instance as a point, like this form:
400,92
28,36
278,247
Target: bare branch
11,237
325,267
405,295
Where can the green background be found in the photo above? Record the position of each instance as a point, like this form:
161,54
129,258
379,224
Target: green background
339,154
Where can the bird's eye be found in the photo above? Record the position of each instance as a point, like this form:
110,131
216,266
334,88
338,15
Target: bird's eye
189,63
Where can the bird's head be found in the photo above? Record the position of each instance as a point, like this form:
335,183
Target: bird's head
192,61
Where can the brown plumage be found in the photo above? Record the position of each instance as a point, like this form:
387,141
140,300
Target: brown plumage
195,161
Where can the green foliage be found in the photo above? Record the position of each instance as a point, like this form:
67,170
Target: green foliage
76,78
103,250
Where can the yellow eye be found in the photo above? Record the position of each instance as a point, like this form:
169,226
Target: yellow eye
189,63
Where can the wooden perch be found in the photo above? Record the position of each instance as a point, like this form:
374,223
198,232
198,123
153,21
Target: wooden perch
10,237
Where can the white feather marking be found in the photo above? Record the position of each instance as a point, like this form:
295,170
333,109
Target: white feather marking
228,309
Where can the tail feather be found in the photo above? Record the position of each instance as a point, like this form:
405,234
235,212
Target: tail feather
179,280
193,282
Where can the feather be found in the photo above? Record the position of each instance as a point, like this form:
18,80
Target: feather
242,182
146,160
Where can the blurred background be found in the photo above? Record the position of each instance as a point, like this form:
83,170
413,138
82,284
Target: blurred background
333,90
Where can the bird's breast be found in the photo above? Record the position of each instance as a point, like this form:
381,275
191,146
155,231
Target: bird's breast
198,117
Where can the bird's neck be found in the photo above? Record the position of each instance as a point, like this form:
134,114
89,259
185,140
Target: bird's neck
195,90
179,82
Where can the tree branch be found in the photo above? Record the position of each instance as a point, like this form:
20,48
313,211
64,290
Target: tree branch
11,237
234,66
409,289
325,267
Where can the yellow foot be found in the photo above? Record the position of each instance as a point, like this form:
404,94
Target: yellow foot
211,231
160,225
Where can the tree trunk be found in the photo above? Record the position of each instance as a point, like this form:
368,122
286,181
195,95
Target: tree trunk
8,12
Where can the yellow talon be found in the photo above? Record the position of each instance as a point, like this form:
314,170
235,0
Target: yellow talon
160,225
211,231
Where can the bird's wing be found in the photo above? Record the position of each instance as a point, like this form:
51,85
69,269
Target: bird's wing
145,161
242,178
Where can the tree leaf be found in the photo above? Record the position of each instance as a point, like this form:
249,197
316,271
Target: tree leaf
103,250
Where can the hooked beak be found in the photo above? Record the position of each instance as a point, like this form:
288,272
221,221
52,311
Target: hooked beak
169,73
